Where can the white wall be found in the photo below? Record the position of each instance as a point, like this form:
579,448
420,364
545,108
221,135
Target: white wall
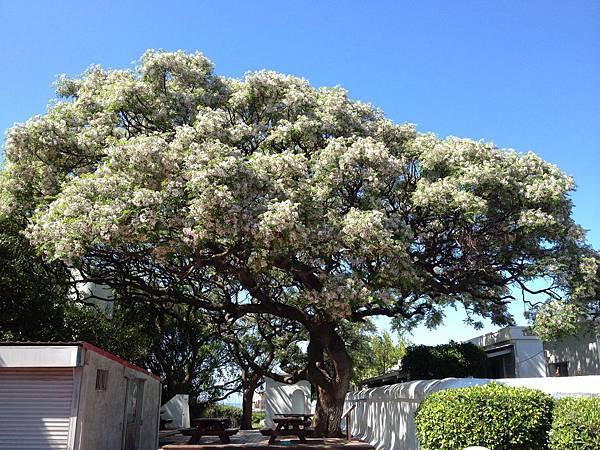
384,416
529,358
40,356
279,399
560,386
581,352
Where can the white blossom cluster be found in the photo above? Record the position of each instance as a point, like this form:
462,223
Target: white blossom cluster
174,158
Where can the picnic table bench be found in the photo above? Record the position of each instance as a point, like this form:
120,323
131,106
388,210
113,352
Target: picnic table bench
289,425
209,426
164,423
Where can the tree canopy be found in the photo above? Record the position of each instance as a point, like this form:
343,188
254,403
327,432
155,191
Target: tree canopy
267,195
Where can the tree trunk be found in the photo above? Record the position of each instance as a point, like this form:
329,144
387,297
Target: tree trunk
331,378
250,386
330,406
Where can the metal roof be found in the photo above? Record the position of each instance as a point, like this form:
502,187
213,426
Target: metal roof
42,343
84,345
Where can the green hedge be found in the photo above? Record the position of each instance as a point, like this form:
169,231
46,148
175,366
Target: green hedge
576,424
220,411
456,359
257,419
225,411
493,416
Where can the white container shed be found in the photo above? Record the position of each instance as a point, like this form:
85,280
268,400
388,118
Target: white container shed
75,396
282,398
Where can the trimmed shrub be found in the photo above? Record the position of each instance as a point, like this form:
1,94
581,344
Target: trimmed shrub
459,360
493,416
576,424
257,419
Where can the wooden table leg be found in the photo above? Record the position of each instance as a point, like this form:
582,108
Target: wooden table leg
273,437
300,433
195,438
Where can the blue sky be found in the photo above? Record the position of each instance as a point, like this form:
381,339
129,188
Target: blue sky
524,75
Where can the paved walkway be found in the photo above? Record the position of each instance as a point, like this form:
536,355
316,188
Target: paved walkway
252,439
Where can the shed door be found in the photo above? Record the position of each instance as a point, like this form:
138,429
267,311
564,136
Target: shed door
35,408
134,400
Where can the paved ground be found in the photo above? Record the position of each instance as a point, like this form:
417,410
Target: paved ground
252,439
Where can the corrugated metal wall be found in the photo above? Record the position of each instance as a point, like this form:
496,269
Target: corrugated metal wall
35,408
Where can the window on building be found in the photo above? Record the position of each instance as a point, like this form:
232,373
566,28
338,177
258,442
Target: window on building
101,379
559,369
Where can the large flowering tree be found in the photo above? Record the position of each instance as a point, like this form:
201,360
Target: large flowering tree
265,195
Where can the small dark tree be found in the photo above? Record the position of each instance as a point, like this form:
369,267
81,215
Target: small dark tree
184,349
258,346
33,291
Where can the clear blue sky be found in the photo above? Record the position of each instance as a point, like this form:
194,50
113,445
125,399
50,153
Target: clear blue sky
523,74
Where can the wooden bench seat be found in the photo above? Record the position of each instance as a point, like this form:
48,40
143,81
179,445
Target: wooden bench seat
167,433
270,432
197,434
227,432
301,433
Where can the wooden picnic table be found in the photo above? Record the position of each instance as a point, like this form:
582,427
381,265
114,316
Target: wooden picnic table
210,426
164,423
291,425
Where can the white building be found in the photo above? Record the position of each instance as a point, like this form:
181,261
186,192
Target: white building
88,292
514,352
74,396
258,402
